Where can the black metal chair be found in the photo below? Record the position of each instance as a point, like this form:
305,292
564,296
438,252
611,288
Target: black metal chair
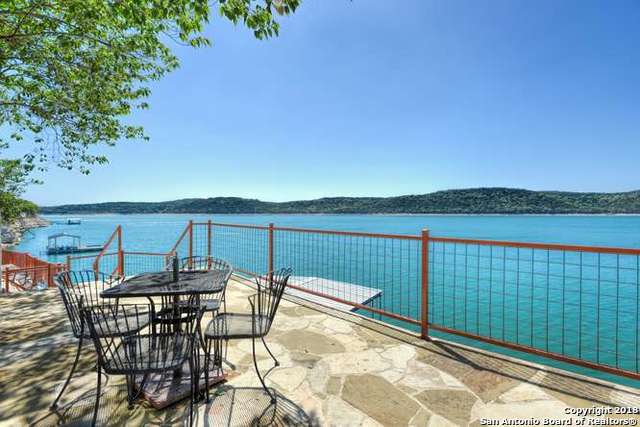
209,302
228,326
134,349
78,289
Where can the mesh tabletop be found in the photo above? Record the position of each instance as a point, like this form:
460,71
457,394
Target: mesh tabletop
162,284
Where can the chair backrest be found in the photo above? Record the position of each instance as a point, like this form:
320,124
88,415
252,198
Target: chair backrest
196,263
203,263
81,288
270,290
207,263
127,341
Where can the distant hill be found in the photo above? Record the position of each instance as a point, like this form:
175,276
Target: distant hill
468,201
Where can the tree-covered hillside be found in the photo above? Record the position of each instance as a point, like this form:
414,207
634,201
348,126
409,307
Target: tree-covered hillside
469,201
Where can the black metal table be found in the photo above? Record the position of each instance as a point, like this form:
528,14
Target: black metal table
163,389
161,284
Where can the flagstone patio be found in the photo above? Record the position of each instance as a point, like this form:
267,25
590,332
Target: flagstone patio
336,369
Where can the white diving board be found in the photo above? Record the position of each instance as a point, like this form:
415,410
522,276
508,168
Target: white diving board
344,290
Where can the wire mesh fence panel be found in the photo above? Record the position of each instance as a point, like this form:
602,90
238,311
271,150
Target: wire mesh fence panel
183,242
199,240
140,262
379,272
79,263
108,263
245,248
580,304
574,304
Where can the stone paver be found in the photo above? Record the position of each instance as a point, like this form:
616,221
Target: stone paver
379,399
335,370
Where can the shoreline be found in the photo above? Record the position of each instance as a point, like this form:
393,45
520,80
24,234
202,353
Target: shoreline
11,234
345,214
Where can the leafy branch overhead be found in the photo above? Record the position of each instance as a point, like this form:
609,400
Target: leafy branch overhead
72,70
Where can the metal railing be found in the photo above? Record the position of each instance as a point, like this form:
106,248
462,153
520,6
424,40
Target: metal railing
123,263
575,304
26,272
104,254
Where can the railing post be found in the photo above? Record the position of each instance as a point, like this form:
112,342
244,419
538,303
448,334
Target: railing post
68,262
6,280
120,253
425,284
270,253
209,238
190,243
49,284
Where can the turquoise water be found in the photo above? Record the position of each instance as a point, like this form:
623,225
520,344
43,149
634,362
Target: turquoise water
581,305
159,232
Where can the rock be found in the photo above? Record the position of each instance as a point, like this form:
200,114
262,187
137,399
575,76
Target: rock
454,405
339,413
11,234
489,385
334,385
379,399
392,375
337,325
318,377
399,355
421,419
420,376
356,363
289,378
523,393
438,421
310,342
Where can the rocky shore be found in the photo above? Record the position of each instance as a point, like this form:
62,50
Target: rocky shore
12,233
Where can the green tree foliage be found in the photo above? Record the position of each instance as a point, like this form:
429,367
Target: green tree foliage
13,178
468,201
72,70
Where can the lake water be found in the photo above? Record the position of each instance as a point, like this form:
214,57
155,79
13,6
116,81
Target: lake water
581,306
159,232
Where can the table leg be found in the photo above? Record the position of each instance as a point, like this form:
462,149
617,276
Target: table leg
161,390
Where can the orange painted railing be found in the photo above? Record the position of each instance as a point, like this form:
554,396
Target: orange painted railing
117,237
27,271
571,303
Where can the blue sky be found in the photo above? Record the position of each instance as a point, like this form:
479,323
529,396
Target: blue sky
377,98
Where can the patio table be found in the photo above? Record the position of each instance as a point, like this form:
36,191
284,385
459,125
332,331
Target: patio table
163,389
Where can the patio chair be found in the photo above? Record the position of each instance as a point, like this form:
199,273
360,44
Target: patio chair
209,302
134,349
228,326
78,289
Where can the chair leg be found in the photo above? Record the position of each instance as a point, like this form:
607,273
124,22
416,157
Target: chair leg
200,335
130,396
194,388
219,355
54,405
207,361
97,405
255,364
270,354
198,371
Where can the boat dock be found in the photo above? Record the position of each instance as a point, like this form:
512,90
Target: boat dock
70,245
344,290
